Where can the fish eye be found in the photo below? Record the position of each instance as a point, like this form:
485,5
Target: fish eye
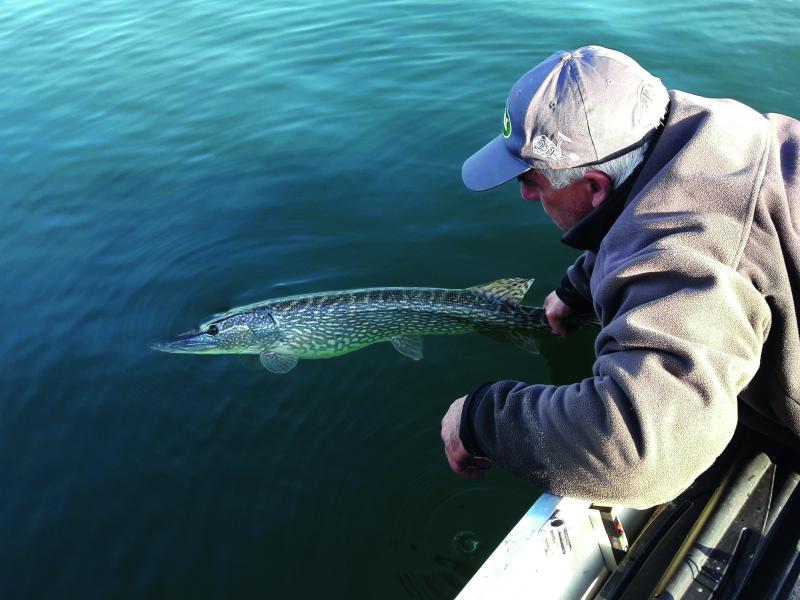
212,330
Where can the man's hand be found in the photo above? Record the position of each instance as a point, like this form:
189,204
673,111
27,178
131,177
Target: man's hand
556,312
461,462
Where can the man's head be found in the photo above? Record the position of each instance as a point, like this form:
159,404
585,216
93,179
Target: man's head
580,111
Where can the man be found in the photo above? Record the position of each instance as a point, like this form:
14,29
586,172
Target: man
688,212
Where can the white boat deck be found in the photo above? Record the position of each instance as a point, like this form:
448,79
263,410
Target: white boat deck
560,549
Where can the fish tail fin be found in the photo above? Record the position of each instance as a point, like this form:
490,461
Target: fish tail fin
511,289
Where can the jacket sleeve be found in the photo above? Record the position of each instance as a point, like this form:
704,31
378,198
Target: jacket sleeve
682,337
574,289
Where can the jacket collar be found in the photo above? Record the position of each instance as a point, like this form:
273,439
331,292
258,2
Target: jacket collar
588,233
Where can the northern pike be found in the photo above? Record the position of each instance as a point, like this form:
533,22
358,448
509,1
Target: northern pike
328,324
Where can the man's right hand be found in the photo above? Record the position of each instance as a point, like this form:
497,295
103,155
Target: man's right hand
556,312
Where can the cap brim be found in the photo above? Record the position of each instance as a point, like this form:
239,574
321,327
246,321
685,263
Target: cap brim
491,166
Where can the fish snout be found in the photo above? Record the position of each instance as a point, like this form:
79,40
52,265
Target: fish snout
190,342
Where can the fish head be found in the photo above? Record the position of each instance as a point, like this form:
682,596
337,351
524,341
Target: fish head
231,333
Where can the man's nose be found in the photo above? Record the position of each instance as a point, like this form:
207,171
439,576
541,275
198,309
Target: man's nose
529,193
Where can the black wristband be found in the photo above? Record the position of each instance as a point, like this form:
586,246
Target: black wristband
567,293
465,428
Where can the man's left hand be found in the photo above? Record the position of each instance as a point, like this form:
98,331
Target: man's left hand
461,462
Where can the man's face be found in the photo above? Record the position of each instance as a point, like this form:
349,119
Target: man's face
565,206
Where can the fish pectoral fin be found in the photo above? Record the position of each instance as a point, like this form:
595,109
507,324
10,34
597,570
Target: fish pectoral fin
524,342
408,345
277,363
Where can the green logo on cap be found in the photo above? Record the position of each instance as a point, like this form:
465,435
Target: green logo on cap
506,124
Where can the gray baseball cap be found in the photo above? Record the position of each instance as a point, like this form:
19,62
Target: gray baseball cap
573,109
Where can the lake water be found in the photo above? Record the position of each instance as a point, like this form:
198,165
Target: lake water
162,161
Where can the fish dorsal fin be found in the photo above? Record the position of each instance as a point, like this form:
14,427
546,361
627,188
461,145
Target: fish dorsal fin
511,289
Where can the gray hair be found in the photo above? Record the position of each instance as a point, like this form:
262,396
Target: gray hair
618,169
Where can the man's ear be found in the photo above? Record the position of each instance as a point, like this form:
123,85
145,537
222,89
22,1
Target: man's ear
600,186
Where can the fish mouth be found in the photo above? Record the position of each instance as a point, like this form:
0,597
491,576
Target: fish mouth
190,342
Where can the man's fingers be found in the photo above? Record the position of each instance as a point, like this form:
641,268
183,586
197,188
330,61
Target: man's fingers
457,454
468,466
473,463
555,324
466,471
556,311
481,462
554,318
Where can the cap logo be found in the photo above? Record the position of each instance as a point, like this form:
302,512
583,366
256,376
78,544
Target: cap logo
547,148
506,124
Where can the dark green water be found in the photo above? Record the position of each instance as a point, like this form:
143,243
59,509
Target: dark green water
162,161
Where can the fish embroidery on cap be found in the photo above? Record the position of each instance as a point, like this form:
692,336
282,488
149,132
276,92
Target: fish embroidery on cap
545,147
506,124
